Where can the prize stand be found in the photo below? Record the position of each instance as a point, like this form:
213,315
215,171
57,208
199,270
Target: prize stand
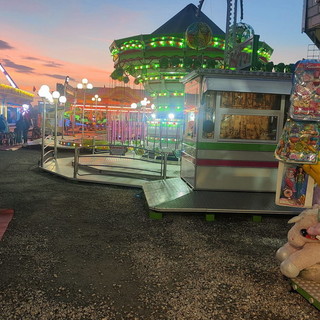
298,155
234,120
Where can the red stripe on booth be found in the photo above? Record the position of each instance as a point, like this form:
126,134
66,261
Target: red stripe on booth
236,163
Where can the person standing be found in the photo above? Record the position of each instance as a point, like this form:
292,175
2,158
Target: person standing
22,128
18,130
3,124
25,127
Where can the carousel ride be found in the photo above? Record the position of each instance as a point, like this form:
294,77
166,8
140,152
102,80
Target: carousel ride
160,60
155,117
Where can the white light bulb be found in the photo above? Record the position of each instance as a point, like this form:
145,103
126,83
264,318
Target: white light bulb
43,90
171,116
48,96
62,99
55,94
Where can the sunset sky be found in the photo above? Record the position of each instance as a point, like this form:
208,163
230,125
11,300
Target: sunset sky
42,41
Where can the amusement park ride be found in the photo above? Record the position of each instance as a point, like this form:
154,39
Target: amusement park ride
220,119
12,98
218,107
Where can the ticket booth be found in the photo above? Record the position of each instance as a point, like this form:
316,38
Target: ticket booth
233,120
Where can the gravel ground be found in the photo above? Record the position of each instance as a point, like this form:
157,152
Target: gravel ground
86,251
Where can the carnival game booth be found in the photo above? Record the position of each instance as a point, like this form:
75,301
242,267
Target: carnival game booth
233,123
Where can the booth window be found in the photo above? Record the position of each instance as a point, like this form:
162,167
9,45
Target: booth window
248,127
249,100
191,107
249,115
209,115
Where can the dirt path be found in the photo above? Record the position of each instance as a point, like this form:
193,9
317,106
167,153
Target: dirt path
86,251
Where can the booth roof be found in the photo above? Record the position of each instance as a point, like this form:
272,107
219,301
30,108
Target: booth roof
14,96
183,19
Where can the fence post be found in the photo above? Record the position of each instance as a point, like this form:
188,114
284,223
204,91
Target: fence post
76,162
93,144
165,158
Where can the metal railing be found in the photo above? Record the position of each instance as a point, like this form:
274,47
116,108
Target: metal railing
47,153
136,155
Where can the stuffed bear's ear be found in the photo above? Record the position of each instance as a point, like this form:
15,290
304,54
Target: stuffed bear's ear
294,219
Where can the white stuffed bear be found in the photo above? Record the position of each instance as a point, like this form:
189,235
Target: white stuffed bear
301,254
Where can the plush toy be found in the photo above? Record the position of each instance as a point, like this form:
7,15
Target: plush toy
301,254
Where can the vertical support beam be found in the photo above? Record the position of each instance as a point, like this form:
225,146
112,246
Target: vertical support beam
231,20
93,145
43,133
164,169
255,49
56,130
76,162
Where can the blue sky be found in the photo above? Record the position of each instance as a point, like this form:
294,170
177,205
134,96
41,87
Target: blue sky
42,41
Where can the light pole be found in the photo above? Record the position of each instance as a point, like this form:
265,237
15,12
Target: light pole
84,85
44,93
96,99
74,112
142,105
66,81
61,99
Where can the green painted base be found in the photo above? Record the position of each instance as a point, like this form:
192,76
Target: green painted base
155,215
308,289
256,218
210,217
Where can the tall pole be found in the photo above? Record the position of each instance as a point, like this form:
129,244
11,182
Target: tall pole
84,85
231,20
55,130
43,131
44,93
64,93
84,105
57,99
74,112
96,99
95,116
107,124
143,105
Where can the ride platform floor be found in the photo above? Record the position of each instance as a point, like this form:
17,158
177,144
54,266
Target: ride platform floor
171,194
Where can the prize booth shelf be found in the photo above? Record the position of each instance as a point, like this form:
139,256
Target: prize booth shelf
233,123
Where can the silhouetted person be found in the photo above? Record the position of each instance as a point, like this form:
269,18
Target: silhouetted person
22,128
3,124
